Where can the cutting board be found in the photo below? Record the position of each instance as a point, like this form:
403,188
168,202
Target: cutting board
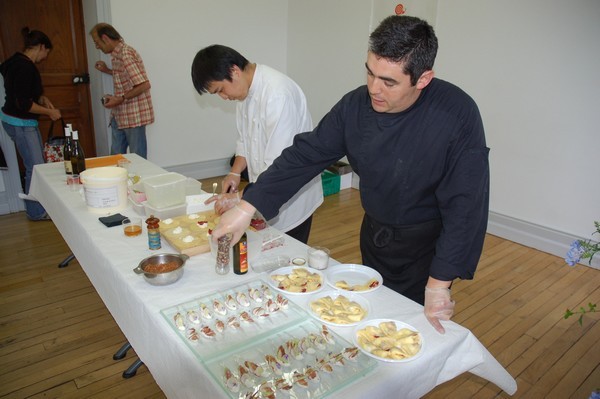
189,234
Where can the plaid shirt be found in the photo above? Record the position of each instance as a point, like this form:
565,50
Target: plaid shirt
128,71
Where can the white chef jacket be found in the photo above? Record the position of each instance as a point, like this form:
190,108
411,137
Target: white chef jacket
274,111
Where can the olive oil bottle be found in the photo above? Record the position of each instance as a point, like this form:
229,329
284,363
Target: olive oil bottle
240,256
77,156
67,150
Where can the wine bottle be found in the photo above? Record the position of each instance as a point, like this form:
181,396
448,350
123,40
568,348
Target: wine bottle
240,256
77,156
67,150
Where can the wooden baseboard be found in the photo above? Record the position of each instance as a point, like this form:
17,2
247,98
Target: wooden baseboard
535,236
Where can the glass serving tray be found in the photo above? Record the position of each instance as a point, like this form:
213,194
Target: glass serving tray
227,321
296,362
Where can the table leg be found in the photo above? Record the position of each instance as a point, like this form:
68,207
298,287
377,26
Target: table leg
65,262
131,370
121,353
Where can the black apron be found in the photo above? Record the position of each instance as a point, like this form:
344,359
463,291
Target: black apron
402,254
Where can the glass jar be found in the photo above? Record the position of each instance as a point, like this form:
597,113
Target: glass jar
153,232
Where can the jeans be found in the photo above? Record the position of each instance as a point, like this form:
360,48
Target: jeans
134,137
28,141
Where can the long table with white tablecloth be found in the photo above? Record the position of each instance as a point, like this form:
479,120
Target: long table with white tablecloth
108,259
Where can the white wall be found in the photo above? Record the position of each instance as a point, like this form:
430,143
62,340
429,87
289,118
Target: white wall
531,66
190,128
533,69
327,49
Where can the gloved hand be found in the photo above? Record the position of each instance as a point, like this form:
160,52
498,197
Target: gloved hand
230,183
438,306
235,221
223,202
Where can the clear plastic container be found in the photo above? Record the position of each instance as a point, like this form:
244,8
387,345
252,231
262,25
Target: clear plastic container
166,190
164,213
270,263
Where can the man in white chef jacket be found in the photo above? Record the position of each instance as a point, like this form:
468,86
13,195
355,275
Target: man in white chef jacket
271,110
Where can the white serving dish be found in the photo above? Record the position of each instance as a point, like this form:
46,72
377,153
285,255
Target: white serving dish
334,294
289,270
353,275
399,325
195,203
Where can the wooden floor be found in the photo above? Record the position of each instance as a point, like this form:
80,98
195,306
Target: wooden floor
57,338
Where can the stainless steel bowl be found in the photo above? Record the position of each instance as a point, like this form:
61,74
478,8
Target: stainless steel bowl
162,278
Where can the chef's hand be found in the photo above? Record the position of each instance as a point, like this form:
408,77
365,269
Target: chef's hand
223,202
235,221
230,183
438,306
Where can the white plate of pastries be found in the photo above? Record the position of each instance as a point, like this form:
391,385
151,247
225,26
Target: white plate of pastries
296,280
339,308
354,278
389,340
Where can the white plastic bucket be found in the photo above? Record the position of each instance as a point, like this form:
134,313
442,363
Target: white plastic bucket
105,189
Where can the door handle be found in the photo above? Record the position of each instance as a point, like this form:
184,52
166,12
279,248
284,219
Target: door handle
81,79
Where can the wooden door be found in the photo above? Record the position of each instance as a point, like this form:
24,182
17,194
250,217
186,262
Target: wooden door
62,21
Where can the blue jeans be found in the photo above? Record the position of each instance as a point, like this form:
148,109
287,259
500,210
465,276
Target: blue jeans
134,137
28,141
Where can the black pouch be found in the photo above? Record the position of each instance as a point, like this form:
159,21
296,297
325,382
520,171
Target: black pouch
112,220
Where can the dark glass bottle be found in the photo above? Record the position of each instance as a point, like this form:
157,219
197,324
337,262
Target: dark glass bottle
77,156
67,151
240,256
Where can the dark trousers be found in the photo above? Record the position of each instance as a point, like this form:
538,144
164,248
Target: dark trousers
402,254
302,231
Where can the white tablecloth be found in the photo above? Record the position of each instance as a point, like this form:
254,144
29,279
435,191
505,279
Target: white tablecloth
108,258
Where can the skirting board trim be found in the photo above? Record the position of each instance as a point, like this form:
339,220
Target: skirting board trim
535,236
202,170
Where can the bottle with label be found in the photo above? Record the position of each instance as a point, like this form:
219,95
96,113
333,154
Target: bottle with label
67,150
153,232
240,256
77,156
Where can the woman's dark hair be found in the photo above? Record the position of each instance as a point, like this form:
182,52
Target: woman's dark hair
214,63
33,38
405,39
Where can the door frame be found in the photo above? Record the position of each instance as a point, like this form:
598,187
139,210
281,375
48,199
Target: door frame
100,83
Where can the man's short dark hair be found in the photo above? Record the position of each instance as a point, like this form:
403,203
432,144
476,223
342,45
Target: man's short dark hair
214,63
408,40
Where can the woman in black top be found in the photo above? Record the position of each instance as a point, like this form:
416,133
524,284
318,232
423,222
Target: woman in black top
24,104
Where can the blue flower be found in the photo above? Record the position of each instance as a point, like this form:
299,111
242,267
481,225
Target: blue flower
574,254
595,395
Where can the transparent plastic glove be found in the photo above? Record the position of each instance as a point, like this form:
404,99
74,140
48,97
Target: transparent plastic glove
235,221
438,306
230,183
223,202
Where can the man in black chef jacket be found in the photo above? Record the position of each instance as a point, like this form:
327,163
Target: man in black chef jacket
418,145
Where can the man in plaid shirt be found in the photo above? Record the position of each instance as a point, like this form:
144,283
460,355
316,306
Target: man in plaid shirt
131,103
